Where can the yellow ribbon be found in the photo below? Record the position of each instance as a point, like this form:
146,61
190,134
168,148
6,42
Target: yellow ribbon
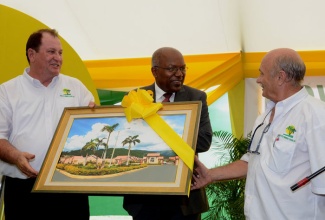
139,104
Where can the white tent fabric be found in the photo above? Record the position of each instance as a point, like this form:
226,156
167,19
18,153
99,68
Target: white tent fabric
109,29
106,29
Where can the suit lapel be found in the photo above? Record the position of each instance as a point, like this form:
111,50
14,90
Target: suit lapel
181,95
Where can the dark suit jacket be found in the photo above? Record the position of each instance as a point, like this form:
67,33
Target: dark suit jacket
197,201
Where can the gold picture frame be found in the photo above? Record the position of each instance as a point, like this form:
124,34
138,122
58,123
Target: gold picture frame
97,151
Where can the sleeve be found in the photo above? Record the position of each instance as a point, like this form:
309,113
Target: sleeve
5,115
85,95
245,157
315,143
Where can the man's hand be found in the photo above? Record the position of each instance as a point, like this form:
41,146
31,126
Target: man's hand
11,155
92,104
201,175
23,165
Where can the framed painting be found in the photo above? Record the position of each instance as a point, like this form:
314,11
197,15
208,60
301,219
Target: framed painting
98,151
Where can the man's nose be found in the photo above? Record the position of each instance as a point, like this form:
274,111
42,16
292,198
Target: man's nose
179,72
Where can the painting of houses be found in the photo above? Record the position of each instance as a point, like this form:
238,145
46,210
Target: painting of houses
115,155
154,158
175,160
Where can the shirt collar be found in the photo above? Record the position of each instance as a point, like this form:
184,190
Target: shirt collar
36,82
160,94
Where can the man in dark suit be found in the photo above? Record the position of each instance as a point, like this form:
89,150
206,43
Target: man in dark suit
169,71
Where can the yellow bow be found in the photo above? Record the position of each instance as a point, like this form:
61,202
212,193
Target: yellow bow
139,104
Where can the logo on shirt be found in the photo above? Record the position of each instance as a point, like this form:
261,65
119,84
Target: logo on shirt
290,130
66,93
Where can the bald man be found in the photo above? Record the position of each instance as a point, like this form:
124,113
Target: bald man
287,145
169,71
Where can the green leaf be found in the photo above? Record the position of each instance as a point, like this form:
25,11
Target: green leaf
227,197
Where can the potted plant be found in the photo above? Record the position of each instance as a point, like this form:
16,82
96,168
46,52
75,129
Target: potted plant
227,197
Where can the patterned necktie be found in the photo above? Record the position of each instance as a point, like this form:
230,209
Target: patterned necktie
167,96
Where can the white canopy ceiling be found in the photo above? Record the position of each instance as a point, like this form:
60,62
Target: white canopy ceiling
109,29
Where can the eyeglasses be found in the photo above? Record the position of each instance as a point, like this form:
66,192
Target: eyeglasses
259,142
174,69
266,129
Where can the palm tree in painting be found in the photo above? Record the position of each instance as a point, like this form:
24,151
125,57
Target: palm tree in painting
108,129
112,155
130,140
100,142
93,145
90,145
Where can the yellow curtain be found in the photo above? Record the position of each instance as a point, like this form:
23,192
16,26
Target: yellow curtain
213,73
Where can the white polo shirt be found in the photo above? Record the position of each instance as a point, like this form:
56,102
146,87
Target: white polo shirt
292,149
30,112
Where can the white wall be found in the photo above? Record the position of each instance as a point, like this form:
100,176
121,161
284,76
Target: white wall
254,104
108,29
297,24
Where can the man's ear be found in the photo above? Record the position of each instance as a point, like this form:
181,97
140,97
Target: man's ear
31,54
154,72
281,77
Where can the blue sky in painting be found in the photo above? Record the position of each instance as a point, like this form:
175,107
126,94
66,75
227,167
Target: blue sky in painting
81,126
84,129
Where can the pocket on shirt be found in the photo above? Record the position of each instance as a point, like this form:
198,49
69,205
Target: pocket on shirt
67,102
62,102
279,160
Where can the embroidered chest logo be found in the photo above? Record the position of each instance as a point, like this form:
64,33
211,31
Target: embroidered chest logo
289,132
66,93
